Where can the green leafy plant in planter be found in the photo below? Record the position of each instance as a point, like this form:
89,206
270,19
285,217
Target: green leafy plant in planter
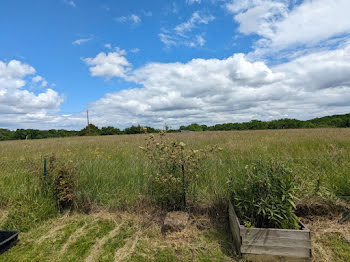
266,197
174,168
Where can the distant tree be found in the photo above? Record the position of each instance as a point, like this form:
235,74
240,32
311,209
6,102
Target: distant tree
204,127
327,121
133,130
20,134
90,130
110,130
192,127
256,124
6,134
140,130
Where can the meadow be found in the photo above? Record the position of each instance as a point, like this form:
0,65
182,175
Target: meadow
112,178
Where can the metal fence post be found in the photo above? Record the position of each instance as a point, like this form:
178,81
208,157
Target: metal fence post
45,170
183,185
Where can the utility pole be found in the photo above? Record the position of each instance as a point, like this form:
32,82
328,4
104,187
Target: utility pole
88,123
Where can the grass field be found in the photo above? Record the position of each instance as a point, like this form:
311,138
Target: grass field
111,176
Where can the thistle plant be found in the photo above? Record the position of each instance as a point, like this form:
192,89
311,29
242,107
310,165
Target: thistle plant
174,168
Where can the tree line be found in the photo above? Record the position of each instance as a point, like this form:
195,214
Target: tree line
92,130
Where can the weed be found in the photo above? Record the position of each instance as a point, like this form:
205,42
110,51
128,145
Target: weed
62,181
174,168
266,197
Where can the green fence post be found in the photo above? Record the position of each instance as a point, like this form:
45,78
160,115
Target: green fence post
45,171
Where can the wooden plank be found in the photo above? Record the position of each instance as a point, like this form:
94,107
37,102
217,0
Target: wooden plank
277,251
270,243
277,241
235,229
263,233
269,258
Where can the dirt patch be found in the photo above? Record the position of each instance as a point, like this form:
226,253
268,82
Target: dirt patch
325,209
3,216
322,227
175,221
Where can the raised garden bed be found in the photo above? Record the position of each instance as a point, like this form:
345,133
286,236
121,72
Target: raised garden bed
270,244
7,240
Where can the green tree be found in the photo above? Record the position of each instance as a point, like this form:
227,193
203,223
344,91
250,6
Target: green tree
90,130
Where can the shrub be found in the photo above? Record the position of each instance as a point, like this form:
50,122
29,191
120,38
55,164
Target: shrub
174,168
266,197
62,182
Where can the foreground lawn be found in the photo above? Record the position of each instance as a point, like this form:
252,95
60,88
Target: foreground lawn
131,237
120,237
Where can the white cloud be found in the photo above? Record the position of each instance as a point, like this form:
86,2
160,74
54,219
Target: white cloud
135,50
190,2
134,19
81,41
16,102
13,73
147,13
313,21
108,46
207,91
321,70
259,19
196,19
37,79
200,40
182,33
112,64
233,89
44,83
70,2
283,24
167,39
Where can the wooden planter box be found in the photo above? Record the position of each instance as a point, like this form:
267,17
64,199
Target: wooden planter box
270,244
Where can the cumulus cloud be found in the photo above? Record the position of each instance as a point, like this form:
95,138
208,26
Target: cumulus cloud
16,102
283,24
206,91
39,79
12,74
108,65
182,33
228,90
321,70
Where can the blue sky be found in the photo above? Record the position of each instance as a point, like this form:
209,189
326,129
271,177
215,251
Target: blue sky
171,62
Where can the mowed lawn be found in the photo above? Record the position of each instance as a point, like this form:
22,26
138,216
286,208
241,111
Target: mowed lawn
112,175
119,236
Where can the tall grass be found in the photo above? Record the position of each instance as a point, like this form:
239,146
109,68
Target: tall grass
111,170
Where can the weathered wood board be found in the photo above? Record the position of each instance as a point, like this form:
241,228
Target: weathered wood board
270,244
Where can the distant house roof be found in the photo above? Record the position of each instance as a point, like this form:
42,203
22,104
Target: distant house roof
185,131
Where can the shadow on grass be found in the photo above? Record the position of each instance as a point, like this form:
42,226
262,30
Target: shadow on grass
216,224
